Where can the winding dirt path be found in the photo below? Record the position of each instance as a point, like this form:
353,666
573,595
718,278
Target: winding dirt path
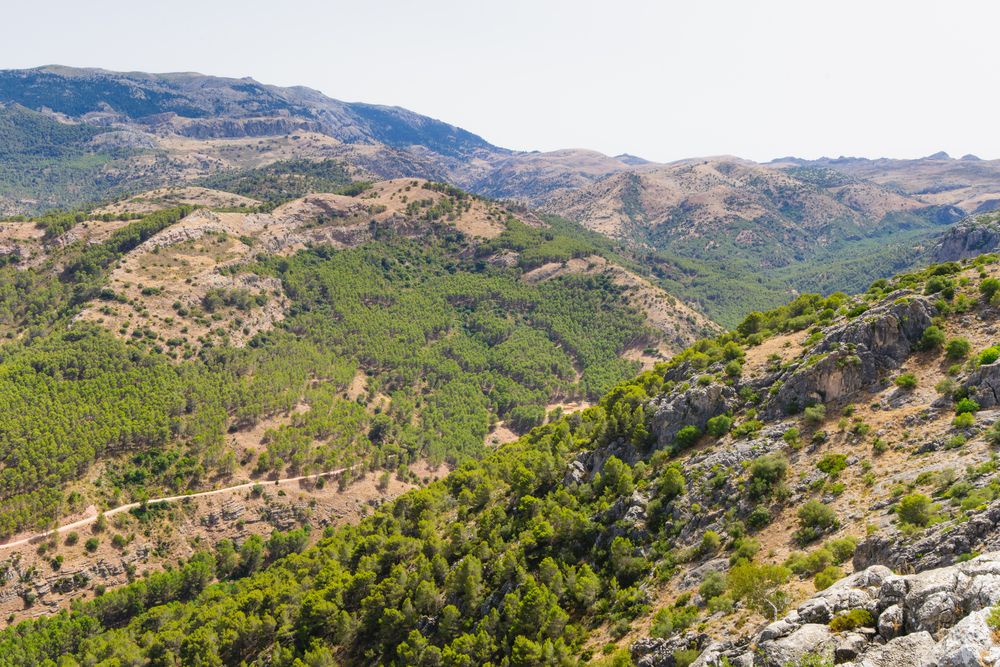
124,508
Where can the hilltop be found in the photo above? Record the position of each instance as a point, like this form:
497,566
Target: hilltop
181,125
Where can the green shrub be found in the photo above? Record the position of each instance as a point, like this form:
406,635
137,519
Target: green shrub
907,381
853,619
718,426
946,387
688,437
814,514
704,380
672,484
932,337
831,464
989,355
91,544
827,577
747,427
815,414
710,542
713,585
989,287
765,473
966,405
684,657
759,517
964,420
842,549
734,368
791,436
915,509
957,348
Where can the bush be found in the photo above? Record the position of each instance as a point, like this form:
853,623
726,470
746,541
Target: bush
91,544
684,657
851,620
964,420
72,538
710,542
673,484
713,585
704,380
957,348
759,517
915,509
734,368
827,577
989,287
718,426
989,355
831,464
765,473
908,381
932,337
688,436
966,405
815,514
946,387
814,415
842,549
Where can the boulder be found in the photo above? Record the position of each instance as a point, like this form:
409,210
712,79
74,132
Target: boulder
965,645
891,622
811,639
907,651
850,647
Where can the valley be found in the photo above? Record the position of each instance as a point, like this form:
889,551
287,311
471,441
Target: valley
296,382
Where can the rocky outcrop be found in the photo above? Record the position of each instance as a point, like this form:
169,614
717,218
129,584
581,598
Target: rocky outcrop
932,619
248,127
693,407
942,546
854,354
656,652
968,239
986,381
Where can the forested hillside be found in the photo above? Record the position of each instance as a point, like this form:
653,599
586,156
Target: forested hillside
620,521
448,343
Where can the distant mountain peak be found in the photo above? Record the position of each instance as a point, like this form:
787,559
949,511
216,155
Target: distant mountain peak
940,155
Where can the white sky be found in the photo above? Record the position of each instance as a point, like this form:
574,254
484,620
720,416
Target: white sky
662,80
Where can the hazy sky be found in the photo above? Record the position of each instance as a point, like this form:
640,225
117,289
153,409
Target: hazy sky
663,80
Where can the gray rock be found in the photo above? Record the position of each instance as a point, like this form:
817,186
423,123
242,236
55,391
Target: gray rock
850,647
881,339
693,407
907,651
891,622
810,639
965,644
777,630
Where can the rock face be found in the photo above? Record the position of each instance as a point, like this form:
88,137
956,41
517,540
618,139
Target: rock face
940,548
969,239
693,407
986,380
854,354
932,619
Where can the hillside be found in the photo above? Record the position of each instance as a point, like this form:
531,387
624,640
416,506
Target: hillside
773,232
832,434
967,183
177,126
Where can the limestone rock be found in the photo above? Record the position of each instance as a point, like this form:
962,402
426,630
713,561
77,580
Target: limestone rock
810,639
907,651
693,407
